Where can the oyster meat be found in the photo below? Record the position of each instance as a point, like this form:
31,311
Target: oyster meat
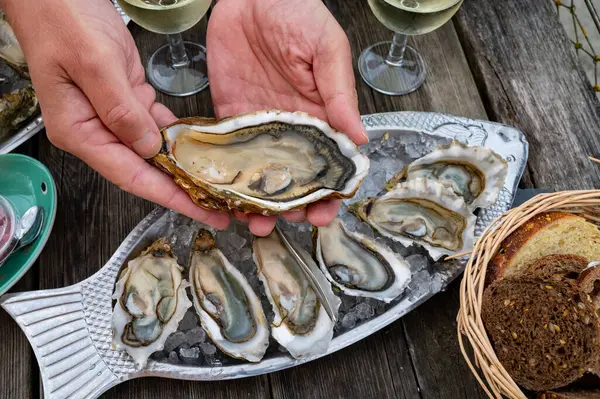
475,173
301,324
15,108
230,312
10,49
267,162
422,211
151,301
359,265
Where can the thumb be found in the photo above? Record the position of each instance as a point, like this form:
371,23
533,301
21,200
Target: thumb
334,76
110,93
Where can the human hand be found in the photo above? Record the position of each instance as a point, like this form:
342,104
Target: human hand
285,54
91,87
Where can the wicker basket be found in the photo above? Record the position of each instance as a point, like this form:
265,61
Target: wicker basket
470,325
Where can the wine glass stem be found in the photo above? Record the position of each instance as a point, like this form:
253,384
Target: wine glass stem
396,55
179,57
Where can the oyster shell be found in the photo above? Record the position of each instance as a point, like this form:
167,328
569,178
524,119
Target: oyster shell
10,49
358,265
230,312
301,324
267,162
421,211
15,108
151,301
476,173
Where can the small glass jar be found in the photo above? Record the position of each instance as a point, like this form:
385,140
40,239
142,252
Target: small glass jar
8,225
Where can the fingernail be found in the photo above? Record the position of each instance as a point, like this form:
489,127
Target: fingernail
147,146
365,136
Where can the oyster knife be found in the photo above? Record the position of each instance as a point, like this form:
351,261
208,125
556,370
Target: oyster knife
306,264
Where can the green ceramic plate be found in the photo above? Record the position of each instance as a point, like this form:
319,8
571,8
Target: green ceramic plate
25,182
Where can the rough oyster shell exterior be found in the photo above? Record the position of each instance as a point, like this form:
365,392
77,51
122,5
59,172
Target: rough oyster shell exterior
209,196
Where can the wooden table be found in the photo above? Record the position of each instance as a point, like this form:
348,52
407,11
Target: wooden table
506,61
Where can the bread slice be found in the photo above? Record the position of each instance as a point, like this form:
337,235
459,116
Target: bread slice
560,267
589,284
542,334
579,394
545,234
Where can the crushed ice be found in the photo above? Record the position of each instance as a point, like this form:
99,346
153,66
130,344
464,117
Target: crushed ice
190,345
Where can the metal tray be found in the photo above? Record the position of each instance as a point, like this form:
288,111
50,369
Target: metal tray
36,123
70,328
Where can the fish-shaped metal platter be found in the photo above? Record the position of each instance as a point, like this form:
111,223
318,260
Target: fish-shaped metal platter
70,328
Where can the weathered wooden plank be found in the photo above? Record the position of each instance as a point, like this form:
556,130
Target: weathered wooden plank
359,371
434,352
18,367
155,388
529,77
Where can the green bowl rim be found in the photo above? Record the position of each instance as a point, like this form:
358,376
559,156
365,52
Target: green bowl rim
44,239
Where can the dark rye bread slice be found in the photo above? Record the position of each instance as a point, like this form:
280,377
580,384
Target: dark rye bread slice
541,333
559,267
589,284
579,394
545,234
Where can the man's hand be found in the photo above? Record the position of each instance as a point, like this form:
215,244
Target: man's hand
91,86
285,54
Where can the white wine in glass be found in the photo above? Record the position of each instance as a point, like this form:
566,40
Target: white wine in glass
178,68
395,68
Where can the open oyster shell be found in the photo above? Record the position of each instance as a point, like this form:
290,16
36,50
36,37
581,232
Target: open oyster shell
230,311
359,265
151,301
267,162
301,324
10,49
421,211
475,173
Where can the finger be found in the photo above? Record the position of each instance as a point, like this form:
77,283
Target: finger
108,89
322,213
260,225
242,217
145,94
297,216
96,146
162,115
334,76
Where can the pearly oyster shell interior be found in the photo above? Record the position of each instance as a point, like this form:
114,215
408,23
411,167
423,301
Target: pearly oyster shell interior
424,211
359,265
230,311
267,162
151,301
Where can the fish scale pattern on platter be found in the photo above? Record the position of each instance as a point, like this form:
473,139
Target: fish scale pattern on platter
70,328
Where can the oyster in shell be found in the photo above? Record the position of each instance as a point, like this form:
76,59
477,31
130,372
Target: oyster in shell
421,211
10,49
230,312
151,301
267,162
358,265
16,107
301,324
476,173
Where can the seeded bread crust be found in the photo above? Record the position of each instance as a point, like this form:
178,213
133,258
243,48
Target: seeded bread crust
541,333
506,263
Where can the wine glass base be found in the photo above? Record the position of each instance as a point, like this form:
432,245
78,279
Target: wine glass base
180,80
391,79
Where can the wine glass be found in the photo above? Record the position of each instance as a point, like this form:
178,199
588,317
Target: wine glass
394,68
179,67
